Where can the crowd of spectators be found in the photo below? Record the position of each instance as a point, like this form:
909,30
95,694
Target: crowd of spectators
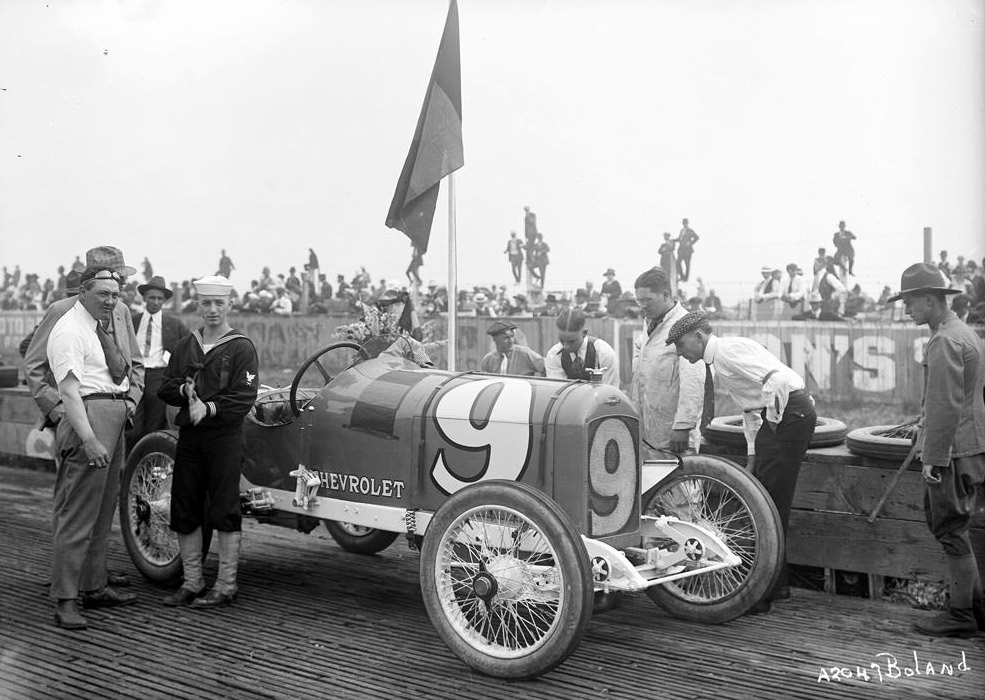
825,296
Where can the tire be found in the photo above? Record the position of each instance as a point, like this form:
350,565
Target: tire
884,441
727,430
145,509
720,495
527,620
360,540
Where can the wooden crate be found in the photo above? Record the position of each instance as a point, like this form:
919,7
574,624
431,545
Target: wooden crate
836,491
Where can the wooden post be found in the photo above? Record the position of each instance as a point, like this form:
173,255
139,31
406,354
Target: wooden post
928,245
452,278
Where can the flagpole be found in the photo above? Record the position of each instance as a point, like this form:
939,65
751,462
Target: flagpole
452,277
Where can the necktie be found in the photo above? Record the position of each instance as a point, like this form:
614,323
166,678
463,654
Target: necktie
708,409
114,358
577,367
150,326
504,364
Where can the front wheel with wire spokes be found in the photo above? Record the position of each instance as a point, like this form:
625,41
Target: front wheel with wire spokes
506,579
145,509
721,496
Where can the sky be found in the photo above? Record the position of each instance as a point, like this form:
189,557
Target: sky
175,128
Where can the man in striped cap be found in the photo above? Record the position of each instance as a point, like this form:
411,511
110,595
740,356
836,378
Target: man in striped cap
778,413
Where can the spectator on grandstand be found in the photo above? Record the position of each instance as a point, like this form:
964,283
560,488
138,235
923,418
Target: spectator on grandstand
281,305
482,307
771,286
977,279
795,291
712,305
611,290
961,306
627,306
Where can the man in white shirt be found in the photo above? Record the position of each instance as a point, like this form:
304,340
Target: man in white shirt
795,293
157,335
99,385
667,390
282,305
577,353
778,413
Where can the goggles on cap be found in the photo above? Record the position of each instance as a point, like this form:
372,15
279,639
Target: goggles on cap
109,275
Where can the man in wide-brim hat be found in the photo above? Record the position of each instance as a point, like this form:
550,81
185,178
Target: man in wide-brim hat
158,333
950,442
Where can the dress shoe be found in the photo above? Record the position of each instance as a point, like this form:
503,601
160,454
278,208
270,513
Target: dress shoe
760,608
67,615
953,622
107,597
182,596
214,599
781,593
117,580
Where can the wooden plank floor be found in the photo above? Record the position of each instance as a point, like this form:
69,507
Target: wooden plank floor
316,622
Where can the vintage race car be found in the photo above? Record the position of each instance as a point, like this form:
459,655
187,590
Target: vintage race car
527,498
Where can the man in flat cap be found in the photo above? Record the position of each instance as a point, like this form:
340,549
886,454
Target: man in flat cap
158,334
950,442
99,382
508,357
212,378
778,413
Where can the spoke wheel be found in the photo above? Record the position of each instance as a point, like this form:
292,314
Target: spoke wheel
358,539
319,369
506,579
883,441
145,509
722,497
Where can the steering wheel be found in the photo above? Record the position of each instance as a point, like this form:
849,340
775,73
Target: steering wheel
340,357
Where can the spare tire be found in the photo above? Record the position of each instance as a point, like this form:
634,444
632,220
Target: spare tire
882,441
727,430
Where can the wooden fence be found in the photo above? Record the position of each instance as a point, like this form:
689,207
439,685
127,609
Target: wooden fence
864,361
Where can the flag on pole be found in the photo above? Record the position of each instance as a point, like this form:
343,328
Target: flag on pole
436,149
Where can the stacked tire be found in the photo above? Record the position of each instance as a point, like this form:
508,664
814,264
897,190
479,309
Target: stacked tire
727,430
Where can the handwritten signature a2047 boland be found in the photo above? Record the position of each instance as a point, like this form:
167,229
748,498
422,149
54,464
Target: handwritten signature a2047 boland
887,667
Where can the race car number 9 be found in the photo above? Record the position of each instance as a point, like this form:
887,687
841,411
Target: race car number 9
486,414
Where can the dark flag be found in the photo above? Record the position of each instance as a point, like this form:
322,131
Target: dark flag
436,149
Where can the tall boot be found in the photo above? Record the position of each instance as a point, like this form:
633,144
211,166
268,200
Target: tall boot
959,619
224,591
190,548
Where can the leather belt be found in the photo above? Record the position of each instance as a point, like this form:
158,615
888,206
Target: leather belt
104,395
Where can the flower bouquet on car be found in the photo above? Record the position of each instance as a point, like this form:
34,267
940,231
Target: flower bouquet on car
389,326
